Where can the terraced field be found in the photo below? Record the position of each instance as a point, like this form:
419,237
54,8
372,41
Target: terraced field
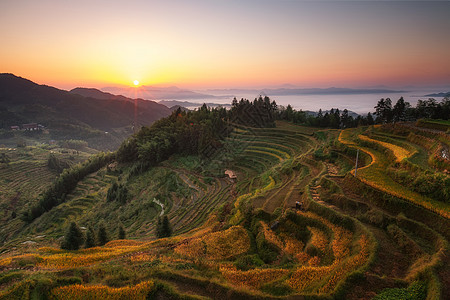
375,175
23,177
363,237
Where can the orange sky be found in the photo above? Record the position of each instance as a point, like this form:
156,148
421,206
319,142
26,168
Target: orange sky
206,44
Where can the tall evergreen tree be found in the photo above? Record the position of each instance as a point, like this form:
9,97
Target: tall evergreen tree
102,235
122,234
73,238
90,238
399,110
383,110
163,228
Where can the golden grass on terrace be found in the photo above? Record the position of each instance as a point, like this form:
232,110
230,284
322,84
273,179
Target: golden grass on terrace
399,152
82,292
324,279
218,245
252,278
318,239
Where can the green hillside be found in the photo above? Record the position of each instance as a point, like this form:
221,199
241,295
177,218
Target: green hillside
378,234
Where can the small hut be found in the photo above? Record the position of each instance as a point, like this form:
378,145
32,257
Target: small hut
231,175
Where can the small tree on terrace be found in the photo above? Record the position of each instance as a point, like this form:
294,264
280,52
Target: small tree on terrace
122,234
90,238
163,228
73,238
102,235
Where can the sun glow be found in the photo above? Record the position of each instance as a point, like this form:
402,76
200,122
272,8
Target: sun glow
136,82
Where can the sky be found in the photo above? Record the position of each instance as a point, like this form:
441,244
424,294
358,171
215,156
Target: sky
226,44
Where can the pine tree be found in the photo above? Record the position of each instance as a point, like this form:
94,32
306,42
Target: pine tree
102,235
163,228
112,192
159,232
166,226
73,238
122,234
90,238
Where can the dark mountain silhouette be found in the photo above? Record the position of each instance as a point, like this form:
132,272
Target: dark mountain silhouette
52,107
438,95
97,94
158,93
140,103
305,91
171,103
175,107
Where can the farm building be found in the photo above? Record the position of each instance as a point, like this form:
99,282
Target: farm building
231,174
32,126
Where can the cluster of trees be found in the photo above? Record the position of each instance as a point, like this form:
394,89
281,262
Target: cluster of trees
194,132
65,184
403,111
57,164
117,192
75,238
261,112
333,118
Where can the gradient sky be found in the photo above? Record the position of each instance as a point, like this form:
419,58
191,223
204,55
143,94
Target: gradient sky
242,43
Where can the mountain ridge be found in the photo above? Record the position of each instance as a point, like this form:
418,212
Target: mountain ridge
19,94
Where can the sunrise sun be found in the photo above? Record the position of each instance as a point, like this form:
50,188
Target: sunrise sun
136,82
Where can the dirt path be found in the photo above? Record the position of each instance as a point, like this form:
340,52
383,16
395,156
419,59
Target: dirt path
160,204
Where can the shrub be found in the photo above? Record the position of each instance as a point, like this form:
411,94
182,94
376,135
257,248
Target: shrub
416,291
248,262
266,251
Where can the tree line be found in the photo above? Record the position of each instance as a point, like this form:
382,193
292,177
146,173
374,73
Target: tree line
334,118
403,111
74,237
385,112
261,112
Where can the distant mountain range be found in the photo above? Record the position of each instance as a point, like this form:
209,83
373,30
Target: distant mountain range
187,104
438,95
159,93
304,91
26,101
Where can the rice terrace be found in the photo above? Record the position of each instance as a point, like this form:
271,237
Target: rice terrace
289,219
